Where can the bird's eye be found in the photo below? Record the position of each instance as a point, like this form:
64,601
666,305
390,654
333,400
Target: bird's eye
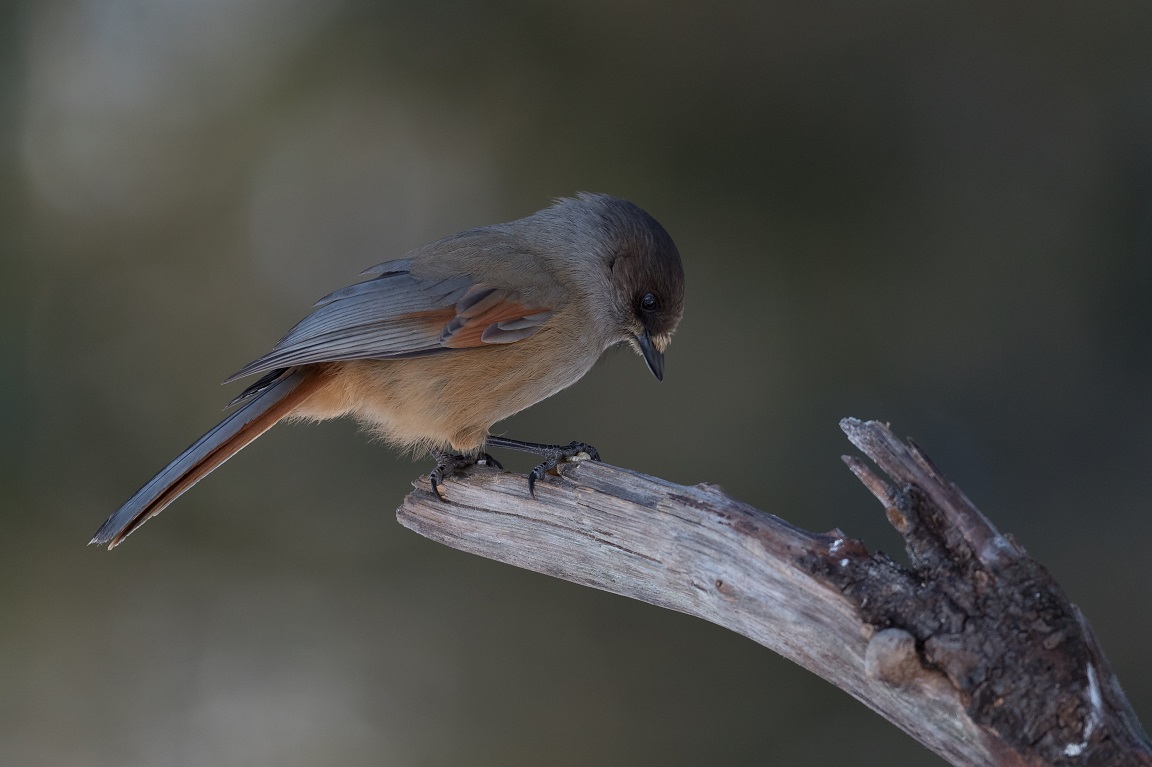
649,303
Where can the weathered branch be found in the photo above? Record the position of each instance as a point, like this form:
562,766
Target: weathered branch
975,651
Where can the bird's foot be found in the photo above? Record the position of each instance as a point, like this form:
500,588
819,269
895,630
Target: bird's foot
553,455
449,463
556,455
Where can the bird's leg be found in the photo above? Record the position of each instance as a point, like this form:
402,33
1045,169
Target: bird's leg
552,455
447,463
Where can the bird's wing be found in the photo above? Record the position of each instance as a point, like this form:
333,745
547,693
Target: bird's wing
397,314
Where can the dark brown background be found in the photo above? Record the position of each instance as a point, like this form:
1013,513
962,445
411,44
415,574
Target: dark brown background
938,215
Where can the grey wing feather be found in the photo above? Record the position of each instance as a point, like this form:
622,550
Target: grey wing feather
511,331
366,320
402,288
494,334
389,267
524,323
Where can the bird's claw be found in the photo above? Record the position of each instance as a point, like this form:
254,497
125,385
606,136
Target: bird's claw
486,460
555,455
436,476
449,463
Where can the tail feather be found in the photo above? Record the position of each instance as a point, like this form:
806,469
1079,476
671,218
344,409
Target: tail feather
221,443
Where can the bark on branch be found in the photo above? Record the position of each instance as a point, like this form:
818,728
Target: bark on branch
975,651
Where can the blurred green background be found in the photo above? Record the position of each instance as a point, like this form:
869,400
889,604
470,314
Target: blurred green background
938,215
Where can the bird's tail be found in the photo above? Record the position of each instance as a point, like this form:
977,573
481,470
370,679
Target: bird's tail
221,443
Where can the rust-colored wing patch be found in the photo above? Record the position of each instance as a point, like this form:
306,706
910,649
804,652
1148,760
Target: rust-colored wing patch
490,316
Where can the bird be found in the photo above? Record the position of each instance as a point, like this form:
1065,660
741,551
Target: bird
430,350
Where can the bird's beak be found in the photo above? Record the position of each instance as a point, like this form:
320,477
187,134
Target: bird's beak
653,356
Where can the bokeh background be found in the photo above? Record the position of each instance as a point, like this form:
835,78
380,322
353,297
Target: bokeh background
939,215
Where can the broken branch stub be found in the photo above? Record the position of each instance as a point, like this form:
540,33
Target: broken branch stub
989,617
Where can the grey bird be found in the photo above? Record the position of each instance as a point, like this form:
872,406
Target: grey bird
434,348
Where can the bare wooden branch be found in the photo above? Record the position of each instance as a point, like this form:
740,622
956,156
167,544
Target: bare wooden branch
975,651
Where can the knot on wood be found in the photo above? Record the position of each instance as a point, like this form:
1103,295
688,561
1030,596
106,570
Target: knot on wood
891,657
